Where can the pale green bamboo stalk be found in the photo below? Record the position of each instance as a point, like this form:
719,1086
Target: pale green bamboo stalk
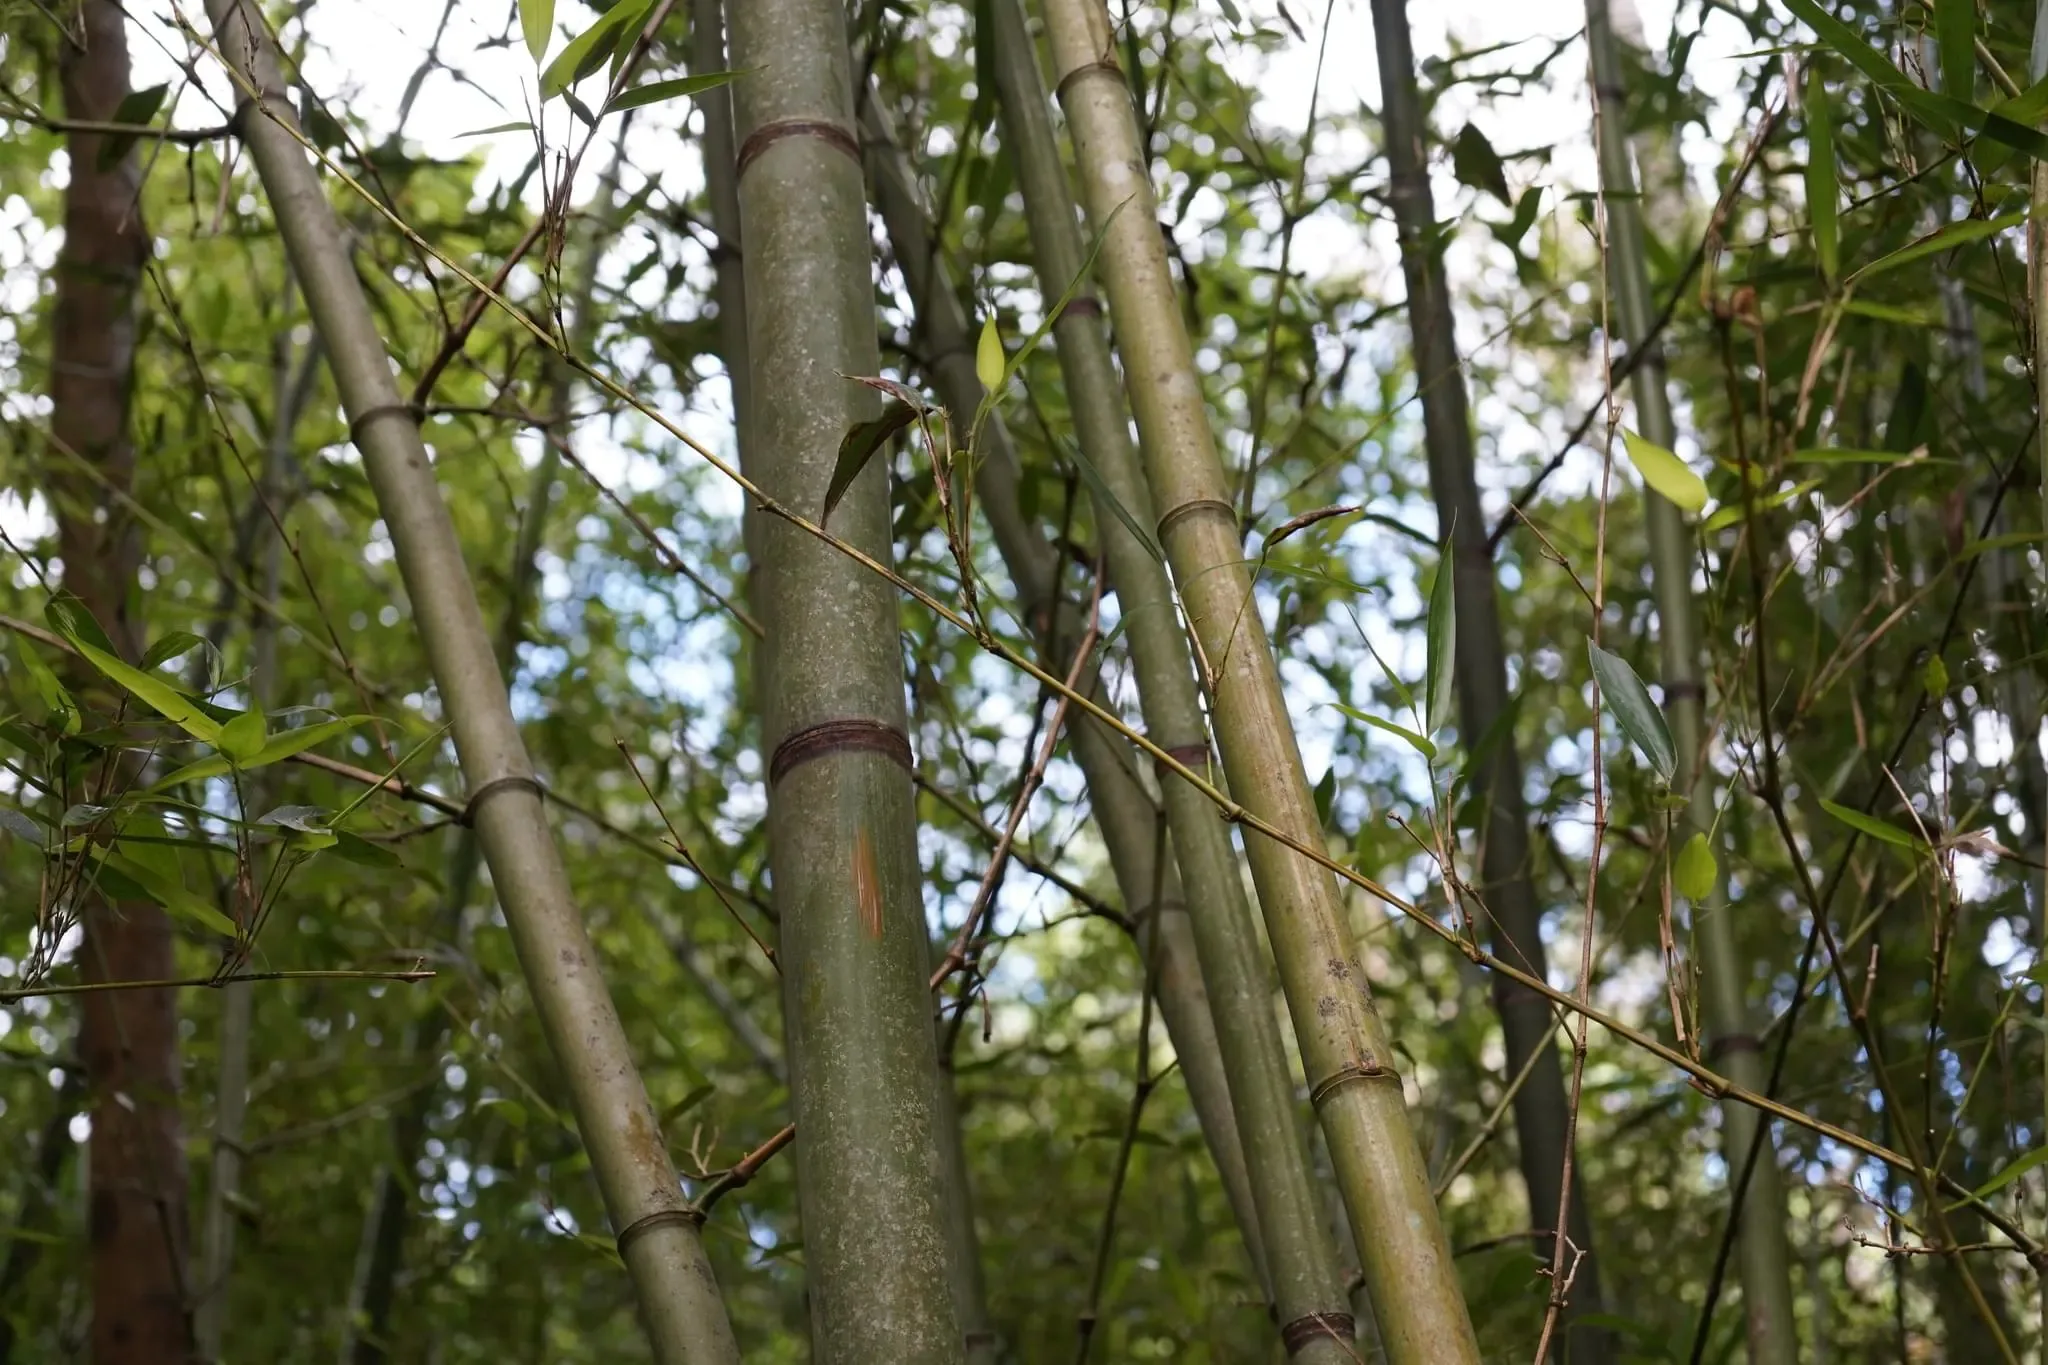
1350,1062
841,822
1506,901
658,1234
1305,1276
1763,1257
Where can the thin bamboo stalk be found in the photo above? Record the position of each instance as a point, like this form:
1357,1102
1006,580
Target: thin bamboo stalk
1352,1080
1305,1275
1506,900
841,819
1763,1256
1126,815
2037,296
658,1237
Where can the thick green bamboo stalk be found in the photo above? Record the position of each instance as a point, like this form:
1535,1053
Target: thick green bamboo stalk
841,821
1506,896
1305,1275
1763,1257
658,1237
1350,1062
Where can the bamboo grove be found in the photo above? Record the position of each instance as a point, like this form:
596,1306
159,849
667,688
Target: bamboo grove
1028,681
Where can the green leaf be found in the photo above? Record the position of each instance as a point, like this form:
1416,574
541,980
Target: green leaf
988,356
242,738
1665,473
57,702
684,87
1943,113
163,887
588,50
1477,165
136,107
1934,676
1823,192
1695,872
1098,489
1880,830
2013,1170
1326,796
1942,239
518,126
176,645
152,691
859,445
1054,314
356,849
1422,744
1955,27
275,749
20,826
1734,511
537,25
1442,658
1639,716
1857,456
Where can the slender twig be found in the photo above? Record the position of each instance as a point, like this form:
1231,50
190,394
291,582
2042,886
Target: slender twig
8,997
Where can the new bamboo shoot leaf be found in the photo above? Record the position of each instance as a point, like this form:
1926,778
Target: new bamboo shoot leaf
1667,475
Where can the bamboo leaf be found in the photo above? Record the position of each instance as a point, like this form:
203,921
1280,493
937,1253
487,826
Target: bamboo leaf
241,739
1477,165
1942,239
1099,490
175,645
152,691
859,445
1639,717
275,749
163,887
537,25
1667,475
1823,193
1881,830
683,87
356,849
588,50
1054,314
1442,640
1955,27
2012,1171
20,826
136,107
1734,511
1422,744
1695,872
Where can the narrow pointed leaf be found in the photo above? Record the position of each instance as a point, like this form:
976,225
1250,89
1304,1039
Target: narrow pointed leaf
2012,1171
589,49
152,691
166,890
1955,27
1667,475
1422,744
1944,239
861,442
1881,830
1823,192
1634,711
1442,644
136,107
537,26
241,739
683,87
1099,491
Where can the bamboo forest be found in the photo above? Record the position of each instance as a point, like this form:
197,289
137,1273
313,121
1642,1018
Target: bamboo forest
994,682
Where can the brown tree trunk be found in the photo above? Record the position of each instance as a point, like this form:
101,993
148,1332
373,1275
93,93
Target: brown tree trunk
128,1039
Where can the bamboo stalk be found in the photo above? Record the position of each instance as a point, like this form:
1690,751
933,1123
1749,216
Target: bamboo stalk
658,1238
1305,1277
1506,902
1763,1257
841,820
1352,1080
1126,815
135,1163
